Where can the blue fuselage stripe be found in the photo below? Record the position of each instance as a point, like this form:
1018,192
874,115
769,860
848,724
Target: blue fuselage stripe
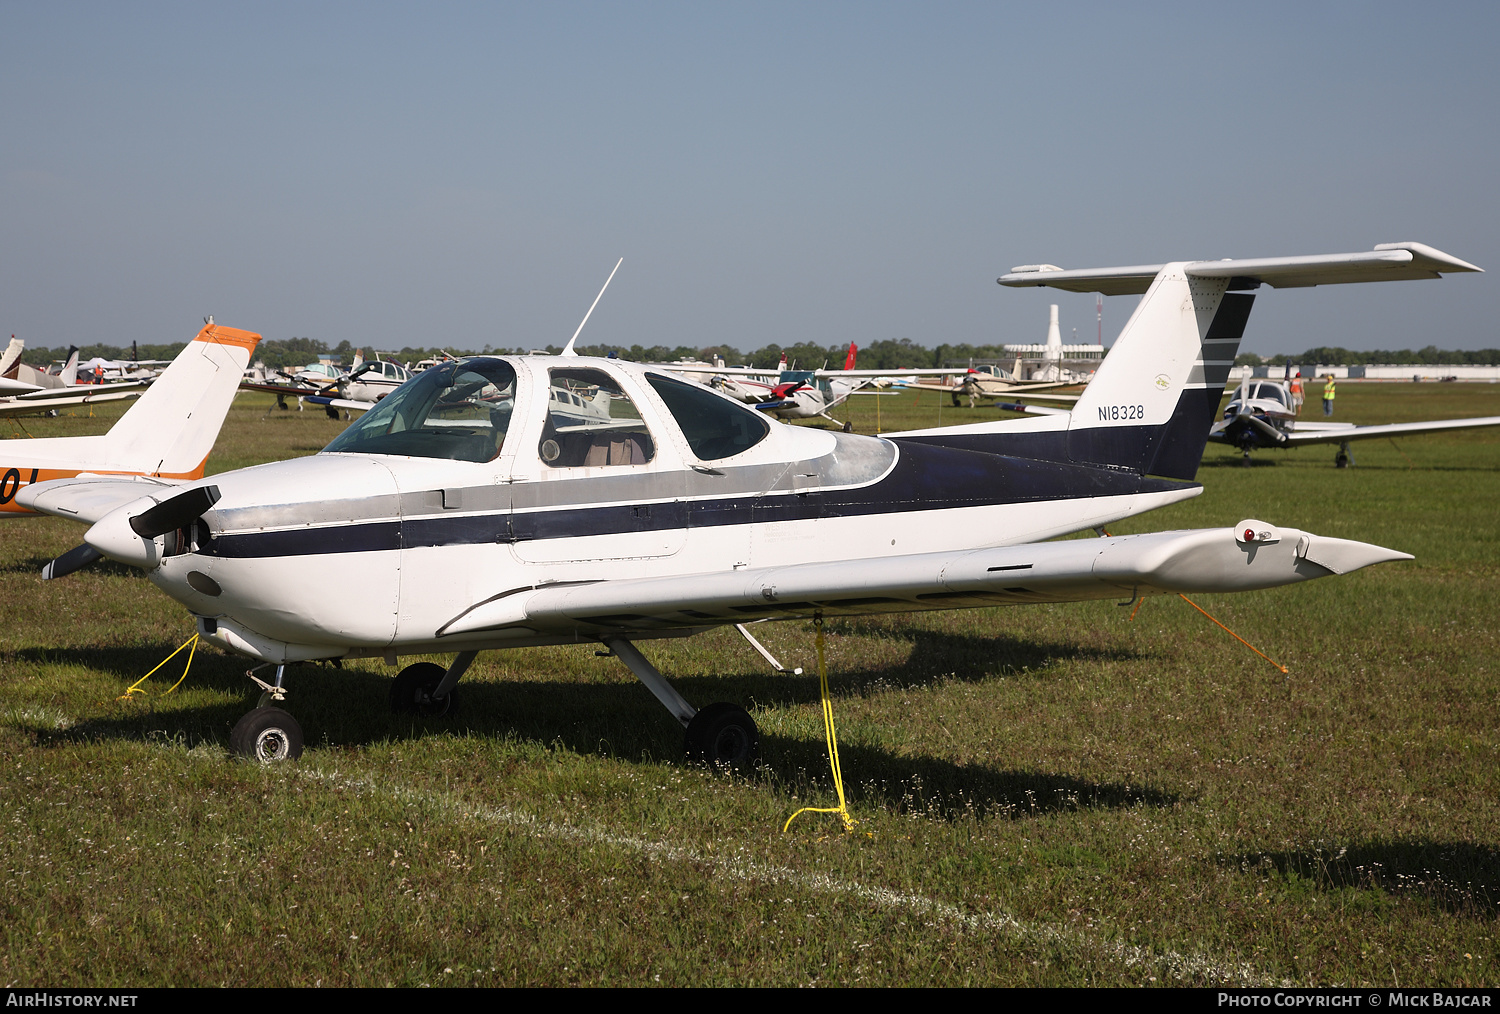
925,478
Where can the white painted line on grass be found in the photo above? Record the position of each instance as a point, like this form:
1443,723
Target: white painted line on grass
1175,965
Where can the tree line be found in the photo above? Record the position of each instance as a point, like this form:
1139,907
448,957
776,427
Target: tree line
1335,356
886,354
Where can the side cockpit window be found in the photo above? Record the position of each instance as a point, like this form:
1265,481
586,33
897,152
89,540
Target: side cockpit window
714,426
590,421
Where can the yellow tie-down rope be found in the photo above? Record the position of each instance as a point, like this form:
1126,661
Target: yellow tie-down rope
135,688
831,737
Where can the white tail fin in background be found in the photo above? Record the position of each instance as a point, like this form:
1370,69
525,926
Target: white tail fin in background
69,374
172,427
12,354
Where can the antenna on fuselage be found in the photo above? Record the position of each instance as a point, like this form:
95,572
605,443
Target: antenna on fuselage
568,349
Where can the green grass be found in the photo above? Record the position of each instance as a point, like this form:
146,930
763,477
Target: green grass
1047,796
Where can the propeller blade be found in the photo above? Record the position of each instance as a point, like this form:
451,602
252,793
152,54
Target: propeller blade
176,512
74,559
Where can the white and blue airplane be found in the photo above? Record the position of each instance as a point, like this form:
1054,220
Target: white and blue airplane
468,511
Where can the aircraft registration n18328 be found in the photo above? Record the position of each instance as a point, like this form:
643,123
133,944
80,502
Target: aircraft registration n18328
497,502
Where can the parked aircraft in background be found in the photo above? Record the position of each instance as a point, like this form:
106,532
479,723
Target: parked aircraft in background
468,512
164,438
28,391
797,394
1263,414
362,388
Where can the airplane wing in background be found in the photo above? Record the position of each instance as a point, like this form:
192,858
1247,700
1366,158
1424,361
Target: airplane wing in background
88,498
1317,434
343,403
45,399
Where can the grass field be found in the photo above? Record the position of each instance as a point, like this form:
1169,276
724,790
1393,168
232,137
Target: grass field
1050,795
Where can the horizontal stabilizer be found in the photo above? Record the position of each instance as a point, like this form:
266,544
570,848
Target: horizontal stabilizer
88,498
1388,262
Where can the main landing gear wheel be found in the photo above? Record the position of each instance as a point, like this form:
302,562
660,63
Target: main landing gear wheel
266,735
723,735
411,691
1342,461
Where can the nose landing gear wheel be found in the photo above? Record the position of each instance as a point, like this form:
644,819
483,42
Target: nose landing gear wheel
266,735
723,735
411,691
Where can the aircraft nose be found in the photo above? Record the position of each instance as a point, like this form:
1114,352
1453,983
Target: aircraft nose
113,537
128,534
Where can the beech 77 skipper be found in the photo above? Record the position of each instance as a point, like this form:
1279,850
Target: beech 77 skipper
475,509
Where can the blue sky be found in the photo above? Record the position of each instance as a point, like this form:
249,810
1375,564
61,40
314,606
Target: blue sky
459,175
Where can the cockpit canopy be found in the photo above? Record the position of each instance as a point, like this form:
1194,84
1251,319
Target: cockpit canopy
1262,392
462,410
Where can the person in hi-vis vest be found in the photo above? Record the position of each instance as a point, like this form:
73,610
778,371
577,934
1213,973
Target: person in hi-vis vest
1328,395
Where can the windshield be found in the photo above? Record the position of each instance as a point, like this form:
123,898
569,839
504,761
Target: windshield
458,410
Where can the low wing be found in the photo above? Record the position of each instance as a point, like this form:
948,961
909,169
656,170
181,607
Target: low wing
946,371
49,398
343,403
1205,560
1319,435
299,390
1387,262
88,498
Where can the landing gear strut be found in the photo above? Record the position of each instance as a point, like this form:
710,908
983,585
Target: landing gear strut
1343,460
267,734
722,735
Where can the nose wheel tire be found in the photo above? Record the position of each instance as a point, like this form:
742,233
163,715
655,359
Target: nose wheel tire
266,735
411,691
723,735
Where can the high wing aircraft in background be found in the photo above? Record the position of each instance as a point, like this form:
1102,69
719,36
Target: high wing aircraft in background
797,394
163,439
464,513
365,385
1262,414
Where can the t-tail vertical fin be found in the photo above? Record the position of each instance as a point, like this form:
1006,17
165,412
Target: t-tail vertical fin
1153,399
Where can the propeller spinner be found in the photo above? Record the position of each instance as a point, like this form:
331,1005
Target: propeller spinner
130,537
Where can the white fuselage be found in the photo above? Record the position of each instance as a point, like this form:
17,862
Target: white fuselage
421,552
